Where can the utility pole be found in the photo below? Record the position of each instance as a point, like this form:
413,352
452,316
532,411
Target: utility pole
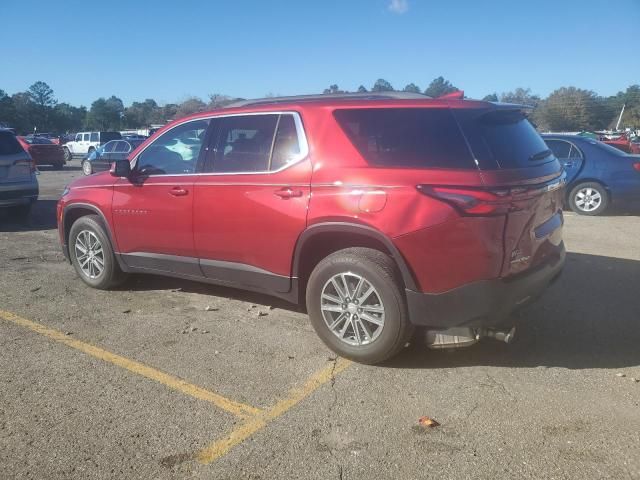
620,117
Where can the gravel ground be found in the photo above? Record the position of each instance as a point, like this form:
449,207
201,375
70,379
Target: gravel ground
560,402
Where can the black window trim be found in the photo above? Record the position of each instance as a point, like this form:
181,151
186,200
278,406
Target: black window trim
302,142
566,141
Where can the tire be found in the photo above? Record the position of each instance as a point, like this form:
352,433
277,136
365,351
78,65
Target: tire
378,271
87,168
20,212
589,198
90,229
67,154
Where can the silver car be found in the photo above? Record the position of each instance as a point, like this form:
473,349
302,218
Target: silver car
18,182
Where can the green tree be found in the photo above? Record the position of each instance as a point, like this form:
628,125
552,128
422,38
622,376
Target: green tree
438,87
190,106
7,110
333,89
492,97
41,95
67,118
139,114
106,114
521,96
382,85
24,120
218,100
362,89
413,88
569,109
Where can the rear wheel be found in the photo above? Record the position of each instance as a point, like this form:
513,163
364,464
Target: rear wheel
87,168
589,198
92,255
356,305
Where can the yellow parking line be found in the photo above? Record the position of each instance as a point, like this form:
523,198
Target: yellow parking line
175,383
220,447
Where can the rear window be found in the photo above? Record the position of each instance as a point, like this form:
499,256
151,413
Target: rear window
407,137
503,139
38,141
9,144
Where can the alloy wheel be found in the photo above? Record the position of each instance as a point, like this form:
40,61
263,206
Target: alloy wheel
352,309
89,254
588,199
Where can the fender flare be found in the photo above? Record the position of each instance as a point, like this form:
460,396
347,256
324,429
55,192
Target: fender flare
346,228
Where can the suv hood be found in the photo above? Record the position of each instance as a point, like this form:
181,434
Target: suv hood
102,179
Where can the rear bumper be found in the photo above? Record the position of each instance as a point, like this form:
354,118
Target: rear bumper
20,193
487,303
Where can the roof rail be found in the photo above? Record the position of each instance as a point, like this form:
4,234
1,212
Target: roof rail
331,96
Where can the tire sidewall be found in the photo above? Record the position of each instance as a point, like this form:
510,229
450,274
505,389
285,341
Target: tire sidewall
91,224
596,186
395,310
86,162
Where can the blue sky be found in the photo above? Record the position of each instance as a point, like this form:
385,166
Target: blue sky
168,50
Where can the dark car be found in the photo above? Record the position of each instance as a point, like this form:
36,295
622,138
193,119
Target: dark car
44,151
380,212
18,181
102,157
598,175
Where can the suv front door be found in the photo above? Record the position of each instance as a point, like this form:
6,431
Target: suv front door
250,204
152,209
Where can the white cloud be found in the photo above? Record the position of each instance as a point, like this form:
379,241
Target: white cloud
398,6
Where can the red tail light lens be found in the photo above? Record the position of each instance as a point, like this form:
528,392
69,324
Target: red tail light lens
636,166
470,201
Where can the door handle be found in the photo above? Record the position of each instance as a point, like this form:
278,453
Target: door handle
178,192
288,192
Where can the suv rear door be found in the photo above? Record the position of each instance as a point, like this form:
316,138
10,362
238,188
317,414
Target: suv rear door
519,167
251,202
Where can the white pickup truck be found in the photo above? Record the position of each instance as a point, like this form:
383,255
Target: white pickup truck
86,142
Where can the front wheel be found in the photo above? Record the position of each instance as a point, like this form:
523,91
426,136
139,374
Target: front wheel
92,255
589,198
87,168
356,305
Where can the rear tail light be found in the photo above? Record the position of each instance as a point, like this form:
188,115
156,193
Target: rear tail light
472,201
636,166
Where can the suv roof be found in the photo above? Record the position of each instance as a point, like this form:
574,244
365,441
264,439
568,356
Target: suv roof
323,97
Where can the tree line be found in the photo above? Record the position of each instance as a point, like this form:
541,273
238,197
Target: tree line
565,109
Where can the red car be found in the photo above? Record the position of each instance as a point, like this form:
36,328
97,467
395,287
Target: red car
43,151
379,212
623,143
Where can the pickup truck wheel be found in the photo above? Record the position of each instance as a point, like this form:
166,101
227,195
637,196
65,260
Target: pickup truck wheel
92,255
356,305
67,154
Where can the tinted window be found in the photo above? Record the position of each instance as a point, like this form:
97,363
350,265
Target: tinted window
37,141
503,139
79,137
244,143
85,137
121,147
94,137
286,148
175,151
562,149
404,137
109,147
108,136
9,144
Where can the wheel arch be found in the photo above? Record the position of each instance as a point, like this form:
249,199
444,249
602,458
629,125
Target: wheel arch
322,239
75,211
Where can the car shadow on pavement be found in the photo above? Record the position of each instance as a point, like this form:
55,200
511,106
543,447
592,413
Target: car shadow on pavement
42,217
590,318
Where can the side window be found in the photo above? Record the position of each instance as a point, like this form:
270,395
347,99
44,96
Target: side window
559,148
286,147
574,152
78,137
121,147
94,137
244,143
85,137
174,152
109,147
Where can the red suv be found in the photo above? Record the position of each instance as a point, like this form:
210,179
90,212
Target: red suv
381,212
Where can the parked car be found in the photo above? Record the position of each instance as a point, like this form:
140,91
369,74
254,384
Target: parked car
623,142
43,151
598,175
102,157
381,212
18,181
86,142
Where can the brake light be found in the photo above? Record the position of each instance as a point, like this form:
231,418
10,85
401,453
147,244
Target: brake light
636,166
472,201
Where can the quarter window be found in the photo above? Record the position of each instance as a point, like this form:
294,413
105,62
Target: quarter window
562,149
109,147
121,147
175,151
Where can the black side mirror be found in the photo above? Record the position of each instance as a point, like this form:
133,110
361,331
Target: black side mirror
120,168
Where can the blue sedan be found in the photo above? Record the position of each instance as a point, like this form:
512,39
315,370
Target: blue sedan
598,175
